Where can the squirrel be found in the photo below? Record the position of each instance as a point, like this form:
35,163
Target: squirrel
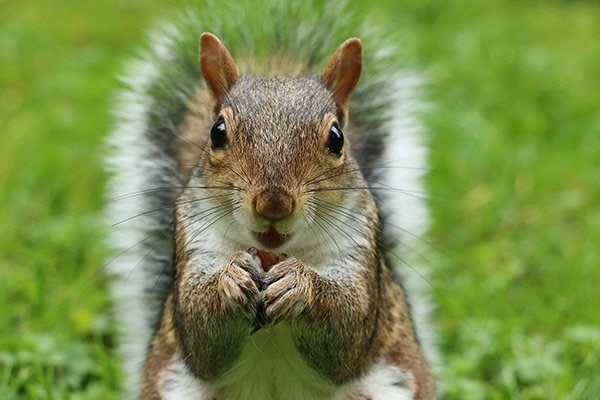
253,239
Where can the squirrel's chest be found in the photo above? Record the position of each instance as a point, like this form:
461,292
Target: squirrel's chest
269,367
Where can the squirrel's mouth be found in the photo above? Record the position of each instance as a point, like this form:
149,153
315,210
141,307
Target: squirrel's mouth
271,238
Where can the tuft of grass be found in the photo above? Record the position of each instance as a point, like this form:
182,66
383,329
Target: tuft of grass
514,131
515,141
58,66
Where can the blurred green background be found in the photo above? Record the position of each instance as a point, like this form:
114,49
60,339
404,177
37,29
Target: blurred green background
515,190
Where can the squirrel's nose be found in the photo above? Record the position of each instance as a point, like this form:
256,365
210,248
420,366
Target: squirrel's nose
274,203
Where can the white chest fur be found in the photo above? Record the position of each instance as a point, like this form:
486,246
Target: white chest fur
271,368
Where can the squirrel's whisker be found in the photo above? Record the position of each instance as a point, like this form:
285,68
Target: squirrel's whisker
169,206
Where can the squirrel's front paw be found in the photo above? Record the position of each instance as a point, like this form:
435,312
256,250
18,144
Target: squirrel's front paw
287,291
239,281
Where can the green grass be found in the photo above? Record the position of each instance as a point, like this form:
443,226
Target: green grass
515,183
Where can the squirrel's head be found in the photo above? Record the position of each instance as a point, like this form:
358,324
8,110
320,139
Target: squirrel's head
279,141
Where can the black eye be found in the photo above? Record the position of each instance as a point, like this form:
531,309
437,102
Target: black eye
336,140
218,134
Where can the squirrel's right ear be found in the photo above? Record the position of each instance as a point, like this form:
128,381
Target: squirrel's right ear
342,73
217,67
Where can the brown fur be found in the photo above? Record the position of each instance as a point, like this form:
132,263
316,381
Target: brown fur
163,347
341,325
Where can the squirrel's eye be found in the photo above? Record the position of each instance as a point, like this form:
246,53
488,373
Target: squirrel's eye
336,140
218,134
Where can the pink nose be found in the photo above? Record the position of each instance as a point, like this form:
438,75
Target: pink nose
274,203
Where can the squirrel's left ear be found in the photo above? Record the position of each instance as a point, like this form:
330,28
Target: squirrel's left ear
217,67
342,73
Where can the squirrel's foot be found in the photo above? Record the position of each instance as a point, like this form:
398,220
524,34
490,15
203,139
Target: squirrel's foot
239,282
287,292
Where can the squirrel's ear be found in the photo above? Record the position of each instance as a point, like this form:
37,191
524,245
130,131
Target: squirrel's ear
217,66
342,73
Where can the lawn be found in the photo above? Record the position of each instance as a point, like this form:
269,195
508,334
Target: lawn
514,132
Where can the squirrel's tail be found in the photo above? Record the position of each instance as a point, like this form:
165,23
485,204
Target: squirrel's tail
157,86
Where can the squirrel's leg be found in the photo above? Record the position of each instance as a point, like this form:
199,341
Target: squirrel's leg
325,314
399,347
350,326
213,314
